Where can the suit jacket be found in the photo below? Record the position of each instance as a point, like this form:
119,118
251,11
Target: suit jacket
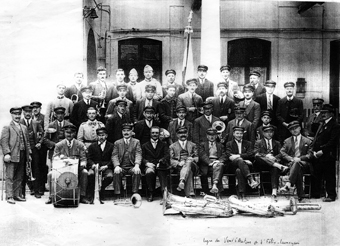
40,119
204,160
139,108
260,148
142,131
201,126
167,111
312,124
141,89
252,112
96,155
296,110
259,90
38,131
232,87
79,113
111,108
186,101
159,155
134,148
259,133
179,89
175,152
114,127
248,134
288,149
71,90
77,150
226,109
247,152
129,93
98,88
10,141
173,125
262,100
206,89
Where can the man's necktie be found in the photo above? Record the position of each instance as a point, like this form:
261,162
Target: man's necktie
28,123
270,106
221,102
149,103
297,150
269,148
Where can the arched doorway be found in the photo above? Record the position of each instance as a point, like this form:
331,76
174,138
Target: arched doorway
91,57
334,74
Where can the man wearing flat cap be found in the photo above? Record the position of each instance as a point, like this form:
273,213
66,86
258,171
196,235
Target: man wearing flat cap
35,137
324,152
314,118
297,153
37,115
181,112
100,87
114,123
126,159
73,92
183,159
99,153
266,119
133,76
289,109
253,110
232,85
149,80
79,113
171,80
143,127
111,108
148,101
268,101
16,151
167,107
254,80
191,100
205,88
120,75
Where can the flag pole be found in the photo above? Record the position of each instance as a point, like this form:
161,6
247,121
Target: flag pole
188,30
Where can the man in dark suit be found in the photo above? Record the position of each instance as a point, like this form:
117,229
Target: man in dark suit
191,100
120,75
297,152
149,101
324,152
211,160
267,157
126,159
240,155
254,80
266,118
268,101
232,85
253,111
143,127
223,105
99,153
171,77
111,108
289,109
181,112
167,107
16,151
202,124
35,137
37,115
79,113
205,88
155,162
74,91
183,159
314,119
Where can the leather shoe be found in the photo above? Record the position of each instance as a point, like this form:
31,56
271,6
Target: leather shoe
19,199
37,195
84,200
32,193
150,198
49,201
10,200
328,199
274,198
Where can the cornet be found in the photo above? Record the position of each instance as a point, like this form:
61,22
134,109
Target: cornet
135,201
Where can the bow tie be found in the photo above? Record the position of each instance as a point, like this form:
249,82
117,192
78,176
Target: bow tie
60,97
93,123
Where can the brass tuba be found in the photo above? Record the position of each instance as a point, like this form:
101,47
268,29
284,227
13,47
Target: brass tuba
219,126
135,201
74,98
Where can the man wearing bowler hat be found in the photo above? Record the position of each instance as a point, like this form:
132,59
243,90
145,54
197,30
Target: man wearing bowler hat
181,112
314,118
16,150
254,80
205,88
232,85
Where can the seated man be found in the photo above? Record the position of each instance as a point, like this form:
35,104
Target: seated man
71,148
211,160
181,112
297,151
240,154
183,158
267,157
155,161
126,159
100,153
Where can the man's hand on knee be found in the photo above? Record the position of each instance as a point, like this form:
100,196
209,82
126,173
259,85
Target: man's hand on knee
118,170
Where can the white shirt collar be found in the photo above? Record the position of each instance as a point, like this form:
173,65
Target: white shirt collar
290,98
298,138
120,115
182,143
317,113
209,118
326,121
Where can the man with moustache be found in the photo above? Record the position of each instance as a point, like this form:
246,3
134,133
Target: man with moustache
75,90
181,112
254,80
315,118
232,85
205,88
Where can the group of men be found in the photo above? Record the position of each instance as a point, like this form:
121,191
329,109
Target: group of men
147,128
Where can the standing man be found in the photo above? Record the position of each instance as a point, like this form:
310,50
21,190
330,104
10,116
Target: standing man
148,101
149,80
171,77
111,108
126,159
191,100
167,107
314,119
289,109
143,127
205,88
120,75
232,85
37,115
324,151
16,150
133,76
253,110
254,80
74,91
155,162
181,112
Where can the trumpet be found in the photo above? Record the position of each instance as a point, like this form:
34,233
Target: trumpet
74,98
135,201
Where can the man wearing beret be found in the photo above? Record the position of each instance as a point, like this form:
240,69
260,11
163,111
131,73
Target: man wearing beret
79,113
288,109
114,123
297,152
99,153
87,130
74,91
183,159
72,148
126,159
148,101
324,152
240,155
191,100
35,137
254,80
133,76
167,107
181,112
268,101
59,101
16,150
211,161
149,80
171,80
120,75
232,85
205,88
314,118
253,110
223,105
143,127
